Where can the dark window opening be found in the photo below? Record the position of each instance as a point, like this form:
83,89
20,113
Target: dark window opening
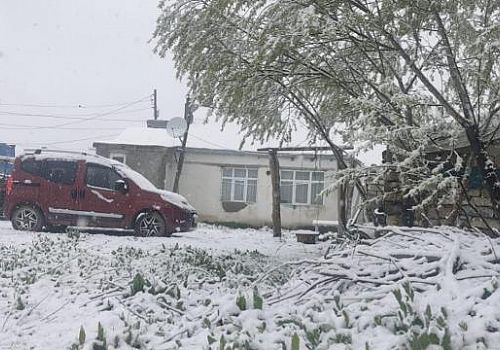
101,176
32,166
59,171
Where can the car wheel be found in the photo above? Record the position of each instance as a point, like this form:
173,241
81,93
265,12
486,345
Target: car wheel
27,218
150,224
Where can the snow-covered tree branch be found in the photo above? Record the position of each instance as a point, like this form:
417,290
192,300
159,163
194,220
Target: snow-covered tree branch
408,75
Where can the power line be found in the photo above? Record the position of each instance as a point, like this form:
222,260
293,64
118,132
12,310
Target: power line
67,116
66,142
208,142
29,127
83,139
101,120
96,116
77,106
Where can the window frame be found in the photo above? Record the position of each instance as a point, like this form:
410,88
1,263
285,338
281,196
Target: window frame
294,182
233,179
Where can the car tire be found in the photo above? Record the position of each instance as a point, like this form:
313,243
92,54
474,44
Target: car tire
27,218
150,224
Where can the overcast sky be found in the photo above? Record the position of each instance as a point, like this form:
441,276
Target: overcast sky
83,53
92,59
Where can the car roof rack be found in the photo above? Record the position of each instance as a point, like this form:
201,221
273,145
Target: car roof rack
45,150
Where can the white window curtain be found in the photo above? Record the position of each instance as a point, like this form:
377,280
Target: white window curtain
300,187
239,184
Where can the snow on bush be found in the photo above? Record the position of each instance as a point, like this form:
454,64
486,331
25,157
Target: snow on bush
411,288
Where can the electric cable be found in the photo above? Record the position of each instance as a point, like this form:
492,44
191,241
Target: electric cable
67,116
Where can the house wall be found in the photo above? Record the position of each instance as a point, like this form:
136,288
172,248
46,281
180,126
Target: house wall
206,195
475,209
201,182
150,161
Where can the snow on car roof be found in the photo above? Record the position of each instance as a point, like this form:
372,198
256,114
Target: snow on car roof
67,155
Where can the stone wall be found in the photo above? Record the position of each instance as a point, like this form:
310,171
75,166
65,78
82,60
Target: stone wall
397,209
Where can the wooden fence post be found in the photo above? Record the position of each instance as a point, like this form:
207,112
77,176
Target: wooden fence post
275,181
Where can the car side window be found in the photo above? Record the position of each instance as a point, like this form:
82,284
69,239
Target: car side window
32,166
101,176
60,171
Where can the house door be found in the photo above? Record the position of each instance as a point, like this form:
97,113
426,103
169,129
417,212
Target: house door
100,204
59,193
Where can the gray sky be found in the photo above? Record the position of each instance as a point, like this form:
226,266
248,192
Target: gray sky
89,53
80,52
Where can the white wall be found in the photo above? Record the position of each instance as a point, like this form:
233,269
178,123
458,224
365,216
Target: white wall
201,183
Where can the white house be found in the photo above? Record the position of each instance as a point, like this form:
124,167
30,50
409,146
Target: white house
230,186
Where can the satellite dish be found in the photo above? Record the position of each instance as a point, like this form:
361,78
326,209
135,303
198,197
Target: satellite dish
176,127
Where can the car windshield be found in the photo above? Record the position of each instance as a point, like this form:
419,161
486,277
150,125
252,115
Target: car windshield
137,178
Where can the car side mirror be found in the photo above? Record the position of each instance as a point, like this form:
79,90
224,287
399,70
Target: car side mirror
121,186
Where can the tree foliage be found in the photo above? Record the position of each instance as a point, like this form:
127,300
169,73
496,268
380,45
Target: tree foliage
412,75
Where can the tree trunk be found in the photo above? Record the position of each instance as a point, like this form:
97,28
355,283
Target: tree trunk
342,206
275,181
487,166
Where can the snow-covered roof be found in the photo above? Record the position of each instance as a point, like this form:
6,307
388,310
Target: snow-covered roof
159,137
201,137
445,143
141,136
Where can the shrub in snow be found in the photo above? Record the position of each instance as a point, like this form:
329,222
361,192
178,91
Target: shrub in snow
82,336
100,342
137,284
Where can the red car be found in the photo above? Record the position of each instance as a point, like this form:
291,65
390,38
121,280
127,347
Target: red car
53,190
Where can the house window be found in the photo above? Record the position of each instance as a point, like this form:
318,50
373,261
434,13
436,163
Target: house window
120,157
239,185
300,187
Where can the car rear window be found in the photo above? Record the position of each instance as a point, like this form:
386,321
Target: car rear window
32,166
60,171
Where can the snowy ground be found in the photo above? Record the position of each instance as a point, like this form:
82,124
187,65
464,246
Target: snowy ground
220,239
52,284
219,288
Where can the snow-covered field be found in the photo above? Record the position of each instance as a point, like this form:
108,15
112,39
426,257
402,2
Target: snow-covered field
51,285
220,288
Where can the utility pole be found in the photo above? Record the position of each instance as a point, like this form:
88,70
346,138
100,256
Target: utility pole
188,116
155,105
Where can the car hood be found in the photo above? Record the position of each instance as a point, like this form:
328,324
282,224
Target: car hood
176,199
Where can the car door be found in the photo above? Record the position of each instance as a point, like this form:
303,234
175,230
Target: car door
100,204
59,190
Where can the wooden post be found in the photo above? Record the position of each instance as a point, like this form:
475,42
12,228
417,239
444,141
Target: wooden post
275,181
155,105
180,162
342,208
188,116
